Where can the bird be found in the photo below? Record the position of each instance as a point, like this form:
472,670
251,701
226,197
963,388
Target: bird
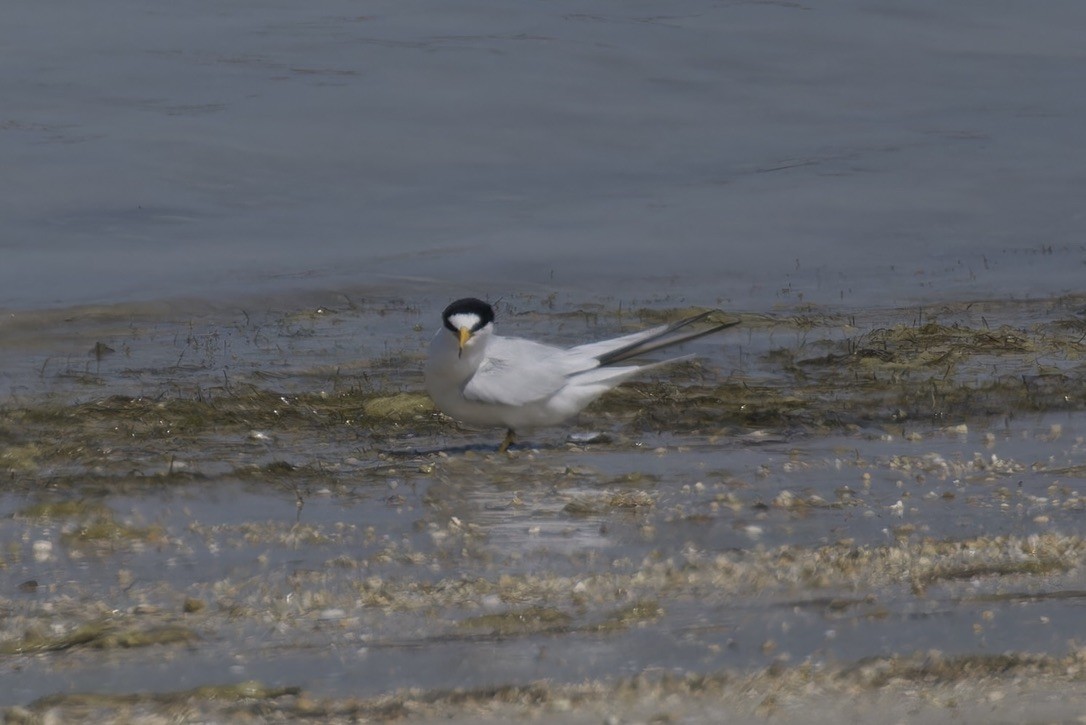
483,379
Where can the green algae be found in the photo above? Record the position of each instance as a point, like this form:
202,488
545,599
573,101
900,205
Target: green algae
98,635
528,620
105,529
19,458
1031,567
89,522
936,667
594,505
249,690
65,509
399,407
640,612
242,408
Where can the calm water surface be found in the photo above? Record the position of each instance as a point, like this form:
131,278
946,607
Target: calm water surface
848,152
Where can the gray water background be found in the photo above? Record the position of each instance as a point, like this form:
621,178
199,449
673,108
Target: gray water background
744,153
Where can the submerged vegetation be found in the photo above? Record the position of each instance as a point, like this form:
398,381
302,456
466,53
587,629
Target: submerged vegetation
834,374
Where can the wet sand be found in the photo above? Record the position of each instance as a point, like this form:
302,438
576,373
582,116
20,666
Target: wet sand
849,514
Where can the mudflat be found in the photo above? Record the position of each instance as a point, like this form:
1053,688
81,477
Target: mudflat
824,516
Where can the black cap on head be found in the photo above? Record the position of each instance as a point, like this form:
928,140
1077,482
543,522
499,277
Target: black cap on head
472,306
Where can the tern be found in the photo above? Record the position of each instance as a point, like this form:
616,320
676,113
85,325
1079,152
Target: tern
482,379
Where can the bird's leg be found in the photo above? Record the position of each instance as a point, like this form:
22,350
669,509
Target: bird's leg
508,441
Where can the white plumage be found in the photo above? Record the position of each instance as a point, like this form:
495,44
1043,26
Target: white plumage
483,379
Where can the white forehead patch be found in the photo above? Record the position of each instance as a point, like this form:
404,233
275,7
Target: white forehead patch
465,319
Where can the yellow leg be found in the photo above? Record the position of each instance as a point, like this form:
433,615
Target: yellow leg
508,441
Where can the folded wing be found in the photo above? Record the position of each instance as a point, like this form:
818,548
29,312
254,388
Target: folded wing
517,372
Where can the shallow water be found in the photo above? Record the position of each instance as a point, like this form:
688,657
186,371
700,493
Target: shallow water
239,542
793,498
751,154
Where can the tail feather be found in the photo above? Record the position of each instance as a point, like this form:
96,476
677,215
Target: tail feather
666,337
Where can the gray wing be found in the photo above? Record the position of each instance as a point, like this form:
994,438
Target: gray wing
516,372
